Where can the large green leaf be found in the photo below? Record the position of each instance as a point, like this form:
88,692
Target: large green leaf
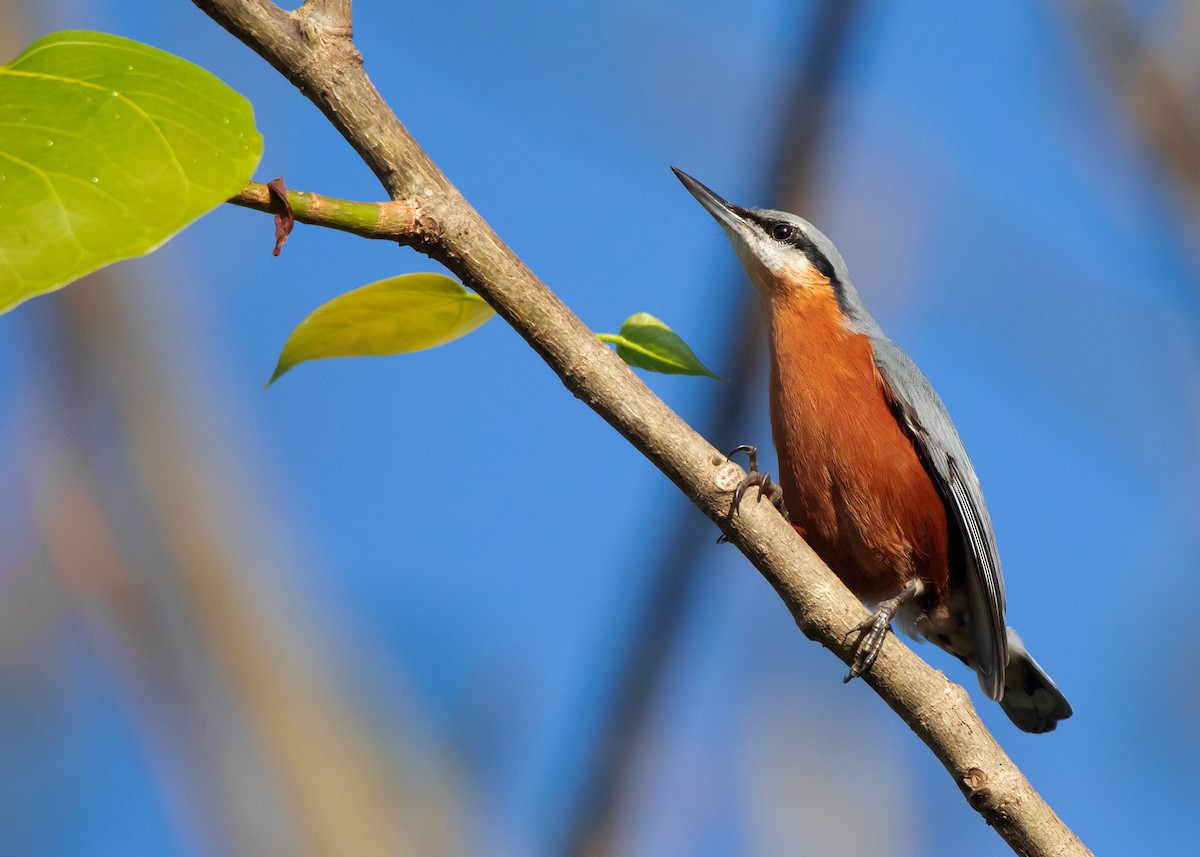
647,343
407,313
108,147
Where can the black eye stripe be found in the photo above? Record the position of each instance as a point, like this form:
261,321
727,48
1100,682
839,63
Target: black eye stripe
820,262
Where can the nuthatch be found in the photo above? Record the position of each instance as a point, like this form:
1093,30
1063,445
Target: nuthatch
874,473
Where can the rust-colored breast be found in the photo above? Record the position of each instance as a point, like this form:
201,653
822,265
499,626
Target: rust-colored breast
854,484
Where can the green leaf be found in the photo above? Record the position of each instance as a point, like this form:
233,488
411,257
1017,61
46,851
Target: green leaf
108,147
647,343
407,313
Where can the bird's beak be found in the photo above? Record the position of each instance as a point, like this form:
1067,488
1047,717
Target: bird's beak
731,217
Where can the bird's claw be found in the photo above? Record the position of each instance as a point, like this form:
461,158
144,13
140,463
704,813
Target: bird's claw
766,487
870,641
872,631
762,481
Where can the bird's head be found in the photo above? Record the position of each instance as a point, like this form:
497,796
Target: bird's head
785,255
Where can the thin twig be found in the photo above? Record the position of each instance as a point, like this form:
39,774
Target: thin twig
386,221
328,70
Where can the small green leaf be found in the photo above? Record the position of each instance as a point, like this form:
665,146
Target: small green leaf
647,343
108,147
400,314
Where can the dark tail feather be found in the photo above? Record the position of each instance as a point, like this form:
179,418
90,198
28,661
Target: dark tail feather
1031,700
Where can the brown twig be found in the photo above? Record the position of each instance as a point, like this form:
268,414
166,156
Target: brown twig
324,64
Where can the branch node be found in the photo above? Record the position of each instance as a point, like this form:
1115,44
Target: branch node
728,476
398,217
333,14
320,26
974,779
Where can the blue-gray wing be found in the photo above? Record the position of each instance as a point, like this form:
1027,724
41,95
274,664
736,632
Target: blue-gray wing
924,418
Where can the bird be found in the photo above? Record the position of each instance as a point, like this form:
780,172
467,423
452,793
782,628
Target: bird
871,468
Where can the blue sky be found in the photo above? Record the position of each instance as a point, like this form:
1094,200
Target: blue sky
473,544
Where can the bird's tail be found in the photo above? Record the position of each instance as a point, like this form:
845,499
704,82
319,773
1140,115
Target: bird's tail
1031,700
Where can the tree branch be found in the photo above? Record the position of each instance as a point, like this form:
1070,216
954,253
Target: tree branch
327,68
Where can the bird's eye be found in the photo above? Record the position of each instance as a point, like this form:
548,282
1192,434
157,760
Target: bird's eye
783,232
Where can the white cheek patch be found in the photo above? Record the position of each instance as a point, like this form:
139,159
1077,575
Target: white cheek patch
773,266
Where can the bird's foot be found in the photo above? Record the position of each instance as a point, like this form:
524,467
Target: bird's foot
872,631
766,487
762,481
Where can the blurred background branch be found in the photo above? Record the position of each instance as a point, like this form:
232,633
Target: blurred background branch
152,540
1153,73
647,653
259,735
